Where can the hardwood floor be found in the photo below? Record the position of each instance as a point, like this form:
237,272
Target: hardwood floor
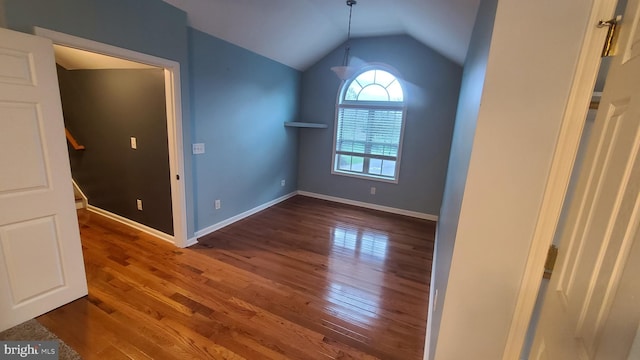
305,279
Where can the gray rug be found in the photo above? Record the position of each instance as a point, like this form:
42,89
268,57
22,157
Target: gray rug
33,330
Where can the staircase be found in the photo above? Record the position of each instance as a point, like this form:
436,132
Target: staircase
80,198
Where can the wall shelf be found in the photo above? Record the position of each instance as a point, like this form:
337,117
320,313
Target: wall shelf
305,125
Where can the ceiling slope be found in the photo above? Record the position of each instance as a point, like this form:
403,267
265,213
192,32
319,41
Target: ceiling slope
298,33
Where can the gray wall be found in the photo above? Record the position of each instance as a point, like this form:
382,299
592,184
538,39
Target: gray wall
432,97
240,102
475,67
103,109
147,26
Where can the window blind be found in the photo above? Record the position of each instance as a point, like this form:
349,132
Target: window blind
374,133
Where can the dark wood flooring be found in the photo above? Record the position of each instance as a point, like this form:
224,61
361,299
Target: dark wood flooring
305,279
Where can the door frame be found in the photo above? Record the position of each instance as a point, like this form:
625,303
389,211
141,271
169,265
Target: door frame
174,126
562,166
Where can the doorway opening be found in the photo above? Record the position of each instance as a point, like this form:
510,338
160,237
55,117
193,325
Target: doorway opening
171,79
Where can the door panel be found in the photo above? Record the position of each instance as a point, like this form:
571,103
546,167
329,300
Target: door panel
41,264
620,336
631,46
588,216
17,67
18,241
26,131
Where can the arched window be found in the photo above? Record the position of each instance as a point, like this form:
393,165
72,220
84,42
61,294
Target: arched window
369,125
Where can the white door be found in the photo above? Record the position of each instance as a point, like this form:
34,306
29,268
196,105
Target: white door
41,264
591,309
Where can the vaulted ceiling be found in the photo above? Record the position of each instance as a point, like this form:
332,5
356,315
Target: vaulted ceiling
298,33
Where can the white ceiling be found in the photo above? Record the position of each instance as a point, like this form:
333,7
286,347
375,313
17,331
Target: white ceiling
298,33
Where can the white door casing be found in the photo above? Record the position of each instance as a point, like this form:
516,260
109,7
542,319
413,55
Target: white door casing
173,103
41,265
589,303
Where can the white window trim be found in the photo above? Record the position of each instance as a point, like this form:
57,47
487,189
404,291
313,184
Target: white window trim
340,104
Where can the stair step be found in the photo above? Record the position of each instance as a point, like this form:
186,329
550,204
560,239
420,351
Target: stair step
79,204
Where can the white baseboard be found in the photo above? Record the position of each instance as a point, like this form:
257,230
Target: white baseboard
388,209
123,220
209,229
191,241
217,226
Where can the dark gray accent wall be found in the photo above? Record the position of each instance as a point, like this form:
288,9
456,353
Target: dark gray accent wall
103,109
475,68
147,26
432,94
240,102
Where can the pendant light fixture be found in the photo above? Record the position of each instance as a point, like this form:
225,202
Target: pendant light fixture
344,71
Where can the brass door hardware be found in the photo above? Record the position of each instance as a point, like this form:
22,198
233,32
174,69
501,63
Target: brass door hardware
612,35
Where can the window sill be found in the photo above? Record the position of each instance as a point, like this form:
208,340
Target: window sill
365,177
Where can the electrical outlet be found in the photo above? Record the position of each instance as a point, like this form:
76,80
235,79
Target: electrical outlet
198,148
373,190
282,182
134,142
139,204
218,204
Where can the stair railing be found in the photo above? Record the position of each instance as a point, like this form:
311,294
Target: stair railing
73,141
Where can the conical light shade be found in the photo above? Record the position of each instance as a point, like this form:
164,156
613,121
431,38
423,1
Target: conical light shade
344,72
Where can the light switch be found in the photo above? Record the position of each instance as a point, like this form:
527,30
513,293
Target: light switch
134,143
198,148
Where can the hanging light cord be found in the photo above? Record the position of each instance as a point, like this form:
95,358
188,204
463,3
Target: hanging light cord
347,48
